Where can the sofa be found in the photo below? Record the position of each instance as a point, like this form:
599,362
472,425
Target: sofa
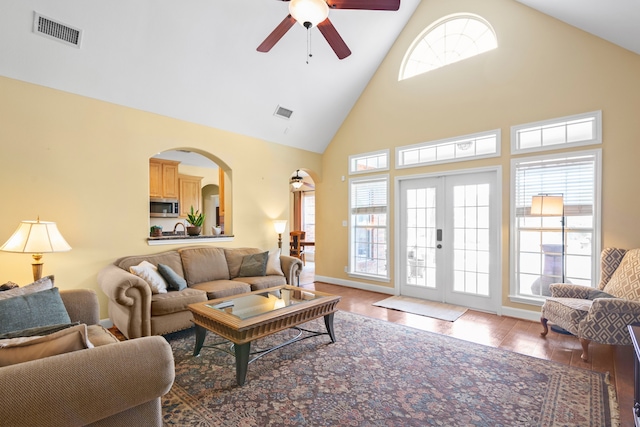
111,383
601,314
139,305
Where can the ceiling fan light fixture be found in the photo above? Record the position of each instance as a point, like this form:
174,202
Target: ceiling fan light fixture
309,12
296,181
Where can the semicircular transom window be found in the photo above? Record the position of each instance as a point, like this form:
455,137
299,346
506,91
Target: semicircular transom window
449,40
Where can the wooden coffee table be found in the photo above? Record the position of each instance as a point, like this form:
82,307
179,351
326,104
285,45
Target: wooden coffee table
244,318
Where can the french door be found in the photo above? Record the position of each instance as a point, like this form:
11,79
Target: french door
449,239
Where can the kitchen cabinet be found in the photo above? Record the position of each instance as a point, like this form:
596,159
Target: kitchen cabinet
163,179
190,189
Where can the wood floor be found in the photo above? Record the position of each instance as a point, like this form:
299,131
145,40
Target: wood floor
520,336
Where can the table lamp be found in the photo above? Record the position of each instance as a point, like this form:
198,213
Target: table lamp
280,225
36,237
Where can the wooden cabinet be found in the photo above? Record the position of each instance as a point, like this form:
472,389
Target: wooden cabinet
163,179
190,188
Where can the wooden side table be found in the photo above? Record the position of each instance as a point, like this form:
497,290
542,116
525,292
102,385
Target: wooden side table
634,331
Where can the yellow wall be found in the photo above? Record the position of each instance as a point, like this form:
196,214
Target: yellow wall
84,164
541,70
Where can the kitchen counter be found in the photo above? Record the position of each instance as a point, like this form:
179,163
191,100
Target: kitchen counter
179,239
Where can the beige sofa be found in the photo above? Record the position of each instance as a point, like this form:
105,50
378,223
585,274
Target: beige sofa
210,273
114,384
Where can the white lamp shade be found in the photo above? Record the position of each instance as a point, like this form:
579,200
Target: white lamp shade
280,225
36,237
312,11
547,205
297,184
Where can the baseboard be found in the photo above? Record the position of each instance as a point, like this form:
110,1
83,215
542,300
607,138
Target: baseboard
356,285
517,313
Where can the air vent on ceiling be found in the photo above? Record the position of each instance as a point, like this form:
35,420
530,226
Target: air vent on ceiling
52,29
283,113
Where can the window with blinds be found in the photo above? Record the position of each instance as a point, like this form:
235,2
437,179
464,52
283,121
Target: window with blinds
369,228
539,258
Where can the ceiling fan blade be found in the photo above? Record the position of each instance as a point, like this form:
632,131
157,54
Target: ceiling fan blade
277,34
333,38
364,4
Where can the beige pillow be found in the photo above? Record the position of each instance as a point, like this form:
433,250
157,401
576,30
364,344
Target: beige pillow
37,286
149,273
273,264
18,350
204,264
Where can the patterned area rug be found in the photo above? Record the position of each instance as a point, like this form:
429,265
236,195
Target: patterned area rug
437,310
382,374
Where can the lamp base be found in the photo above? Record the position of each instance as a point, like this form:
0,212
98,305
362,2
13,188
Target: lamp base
37,271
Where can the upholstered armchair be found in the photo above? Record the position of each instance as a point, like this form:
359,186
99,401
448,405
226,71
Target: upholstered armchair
602,314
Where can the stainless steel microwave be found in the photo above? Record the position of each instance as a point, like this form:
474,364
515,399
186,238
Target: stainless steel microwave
163,208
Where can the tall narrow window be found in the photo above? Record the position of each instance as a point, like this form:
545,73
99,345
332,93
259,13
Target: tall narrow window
309,222
449,40
542,254
369,227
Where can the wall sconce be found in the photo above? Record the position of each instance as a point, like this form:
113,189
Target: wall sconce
279,225
36,237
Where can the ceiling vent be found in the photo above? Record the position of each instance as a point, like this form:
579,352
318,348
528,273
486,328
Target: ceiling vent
283,113
52,29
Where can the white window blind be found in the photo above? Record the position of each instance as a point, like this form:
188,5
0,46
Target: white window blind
573,177
369,227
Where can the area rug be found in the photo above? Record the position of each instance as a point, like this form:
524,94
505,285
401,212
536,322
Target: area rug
422,307
382,374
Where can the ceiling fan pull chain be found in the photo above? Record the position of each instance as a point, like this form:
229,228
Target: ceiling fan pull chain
307,25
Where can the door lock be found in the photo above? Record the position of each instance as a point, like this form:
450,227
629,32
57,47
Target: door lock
439,246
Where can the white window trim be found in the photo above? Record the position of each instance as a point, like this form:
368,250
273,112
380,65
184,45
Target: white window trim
376,278
597,115
365,155
597,224
495,132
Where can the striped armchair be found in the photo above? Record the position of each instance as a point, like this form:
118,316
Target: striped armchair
602,314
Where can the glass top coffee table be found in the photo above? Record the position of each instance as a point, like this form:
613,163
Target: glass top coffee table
244,318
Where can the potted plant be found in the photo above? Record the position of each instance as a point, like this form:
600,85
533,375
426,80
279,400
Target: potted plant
155,231
196,219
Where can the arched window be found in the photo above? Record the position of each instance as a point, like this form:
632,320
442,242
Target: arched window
448,40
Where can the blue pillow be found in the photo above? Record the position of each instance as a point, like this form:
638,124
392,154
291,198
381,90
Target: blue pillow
254,265
42,308
174,281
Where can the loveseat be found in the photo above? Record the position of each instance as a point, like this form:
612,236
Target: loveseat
111,384
139,306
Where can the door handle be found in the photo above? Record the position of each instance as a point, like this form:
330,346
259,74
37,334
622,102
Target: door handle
439,235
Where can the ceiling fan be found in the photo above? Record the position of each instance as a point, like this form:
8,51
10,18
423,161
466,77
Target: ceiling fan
314,13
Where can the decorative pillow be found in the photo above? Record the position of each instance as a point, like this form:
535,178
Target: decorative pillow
38,331
8,285
18,350
625,281
174,281
273,264
37,286
32,310
254,265
149,273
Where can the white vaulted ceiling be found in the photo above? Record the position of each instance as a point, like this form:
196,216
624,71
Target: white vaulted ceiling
196,60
